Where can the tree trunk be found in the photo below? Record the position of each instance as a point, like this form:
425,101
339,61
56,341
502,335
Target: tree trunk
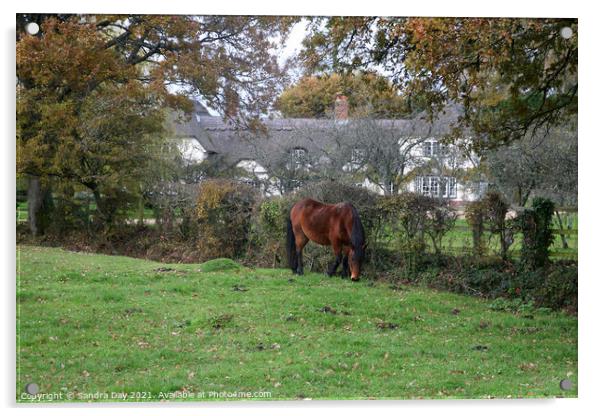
105,213
141,212
565,244
39,205
34,202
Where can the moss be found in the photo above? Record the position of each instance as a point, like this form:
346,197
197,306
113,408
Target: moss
219,264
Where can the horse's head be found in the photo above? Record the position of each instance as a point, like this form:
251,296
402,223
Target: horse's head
358,245
356,257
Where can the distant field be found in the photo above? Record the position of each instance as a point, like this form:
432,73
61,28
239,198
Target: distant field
460,239
22,212
103,324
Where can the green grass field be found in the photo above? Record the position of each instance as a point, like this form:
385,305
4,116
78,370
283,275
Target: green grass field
93,324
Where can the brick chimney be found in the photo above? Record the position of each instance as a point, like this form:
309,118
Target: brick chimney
341,108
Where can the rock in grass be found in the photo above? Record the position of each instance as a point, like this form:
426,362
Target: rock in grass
220,264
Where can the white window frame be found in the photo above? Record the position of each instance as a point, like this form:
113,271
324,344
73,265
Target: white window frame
429,186
452,187
427,148
432,148
358,155
298,158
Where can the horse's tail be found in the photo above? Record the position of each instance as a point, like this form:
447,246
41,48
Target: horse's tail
291,249
358,239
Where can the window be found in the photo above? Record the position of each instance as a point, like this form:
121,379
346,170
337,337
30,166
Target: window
430,186
358,156
433,148
298,158
294,184
444,149
250,181
427,185
434,186
449,188
452,185
427,148
482,188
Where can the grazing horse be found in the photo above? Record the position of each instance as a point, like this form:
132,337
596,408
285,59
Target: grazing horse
335,225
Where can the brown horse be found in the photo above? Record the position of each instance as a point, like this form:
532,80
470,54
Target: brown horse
335,225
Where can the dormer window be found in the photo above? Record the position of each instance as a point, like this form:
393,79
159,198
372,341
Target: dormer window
432,148
298,157
358,155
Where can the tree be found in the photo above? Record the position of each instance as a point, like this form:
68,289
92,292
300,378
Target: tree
367,92
63,123
447,163
382,151
287,166
90,89
512,76
544,165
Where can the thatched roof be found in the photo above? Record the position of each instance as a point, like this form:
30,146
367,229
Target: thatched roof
237,142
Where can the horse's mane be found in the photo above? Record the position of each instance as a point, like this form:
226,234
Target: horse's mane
358,239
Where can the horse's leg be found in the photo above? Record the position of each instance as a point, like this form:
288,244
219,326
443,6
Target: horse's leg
300,242
337,260
345,270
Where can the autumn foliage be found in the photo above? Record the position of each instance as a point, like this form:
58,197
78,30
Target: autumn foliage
93,93
512,76
368,94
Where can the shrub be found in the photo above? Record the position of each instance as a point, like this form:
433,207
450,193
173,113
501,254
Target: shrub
489,214
475,217
268,235
411,218
166,199
496,210
536,226
223,212
406,216
558,289
69,213
554,286
440,220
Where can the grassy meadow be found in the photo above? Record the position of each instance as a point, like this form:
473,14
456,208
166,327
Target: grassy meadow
95,327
